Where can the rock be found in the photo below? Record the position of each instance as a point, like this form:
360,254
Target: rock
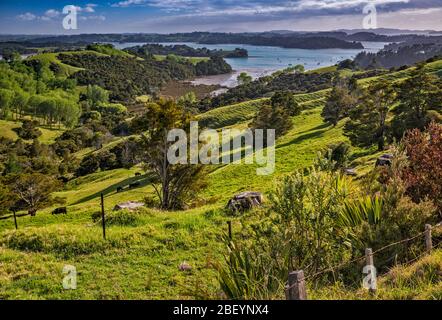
350,172
184,267
245,201
130,205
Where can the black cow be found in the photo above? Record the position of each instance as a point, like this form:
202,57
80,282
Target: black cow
120,189
62,210
138,174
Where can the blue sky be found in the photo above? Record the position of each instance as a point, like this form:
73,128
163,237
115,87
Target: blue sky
164,16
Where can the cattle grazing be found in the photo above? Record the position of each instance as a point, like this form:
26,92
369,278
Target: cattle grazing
134,185
120,189
62,210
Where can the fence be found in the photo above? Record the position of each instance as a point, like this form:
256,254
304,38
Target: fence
296,284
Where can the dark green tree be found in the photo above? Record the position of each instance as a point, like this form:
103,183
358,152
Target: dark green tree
176,185
417,96
368,120
286,100
272,117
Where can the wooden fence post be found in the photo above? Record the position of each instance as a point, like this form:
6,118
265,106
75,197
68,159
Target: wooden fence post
369,257
103,220
428,240
15,220
229,224
296,286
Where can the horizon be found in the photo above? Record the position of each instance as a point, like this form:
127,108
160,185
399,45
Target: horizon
184,16
228,32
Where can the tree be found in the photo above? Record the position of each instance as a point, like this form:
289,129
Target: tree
175,184
272,117
417,95
338,104
244,78
286,100
96,95
34,191
19,102
368,120
6,97
7,199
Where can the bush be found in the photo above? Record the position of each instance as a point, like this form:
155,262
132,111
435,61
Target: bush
119,218
28,130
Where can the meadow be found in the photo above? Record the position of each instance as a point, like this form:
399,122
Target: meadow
141,256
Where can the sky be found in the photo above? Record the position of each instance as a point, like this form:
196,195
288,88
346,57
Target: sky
169,16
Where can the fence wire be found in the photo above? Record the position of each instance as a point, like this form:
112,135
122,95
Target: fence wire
339,266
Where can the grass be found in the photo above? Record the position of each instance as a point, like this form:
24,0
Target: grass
419,281
48,134
6,129
66,70
140,259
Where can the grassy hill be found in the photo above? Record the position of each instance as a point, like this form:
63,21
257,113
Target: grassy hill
140,258
48,134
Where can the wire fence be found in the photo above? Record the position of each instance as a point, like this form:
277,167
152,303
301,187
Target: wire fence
426,234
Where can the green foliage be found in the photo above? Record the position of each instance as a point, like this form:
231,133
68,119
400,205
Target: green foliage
34,191
96,96
339,103
286,100
247,275
244,78
176,185
339,154
417,96
28,130
368,120
363,210
273,117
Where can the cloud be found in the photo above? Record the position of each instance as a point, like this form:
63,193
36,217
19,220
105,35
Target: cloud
129,3
52,14
26,16
93,17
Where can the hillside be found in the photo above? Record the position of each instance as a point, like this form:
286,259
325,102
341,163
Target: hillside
140,258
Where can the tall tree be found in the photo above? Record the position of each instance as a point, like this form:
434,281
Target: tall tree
175,184
368,120
286,100
6,97
272,117
417,95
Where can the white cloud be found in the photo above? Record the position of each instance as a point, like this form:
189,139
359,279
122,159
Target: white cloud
27,16
94,17
52,13
128,3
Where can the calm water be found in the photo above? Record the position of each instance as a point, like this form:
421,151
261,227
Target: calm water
264,60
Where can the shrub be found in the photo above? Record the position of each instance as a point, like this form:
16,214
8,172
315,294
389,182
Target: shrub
119,218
